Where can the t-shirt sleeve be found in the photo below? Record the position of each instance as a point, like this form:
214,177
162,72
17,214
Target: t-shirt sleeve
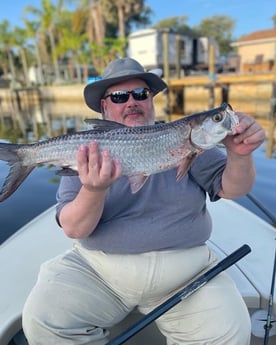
207,169
67,191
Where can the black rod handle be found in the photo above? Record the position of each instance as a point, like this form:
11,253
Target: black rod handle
228,261
182,294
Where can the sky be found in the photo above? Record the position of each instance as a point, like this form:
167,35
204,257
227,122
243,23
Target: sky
249,15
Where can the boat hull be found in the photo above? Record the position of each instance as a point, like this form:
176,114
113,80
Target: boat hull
42,239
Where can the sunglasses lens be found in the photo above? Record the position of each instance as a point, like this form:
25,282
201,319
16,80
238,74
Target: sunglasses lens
140,94
119,96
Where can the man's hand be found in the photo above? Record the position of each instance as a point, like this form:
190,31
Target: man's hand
97,171
249,135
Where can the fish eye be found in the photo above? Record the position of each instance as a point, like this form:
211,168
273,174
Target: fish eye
217,117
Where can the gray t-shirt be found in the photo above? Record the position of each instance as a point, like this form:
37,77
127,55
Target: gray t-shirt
163,215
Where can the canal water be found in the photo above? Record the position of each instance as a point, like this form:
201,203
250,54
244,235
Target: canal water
38,191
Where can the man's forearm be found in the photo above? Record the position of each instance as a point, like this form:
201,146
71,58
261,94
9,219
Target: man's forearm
80,217
238,176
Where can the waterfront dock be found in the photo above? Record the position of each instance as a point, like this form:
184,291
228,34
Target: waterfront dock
251,93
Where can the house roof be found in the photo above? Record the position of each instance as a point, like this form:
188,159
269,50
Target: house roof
258,35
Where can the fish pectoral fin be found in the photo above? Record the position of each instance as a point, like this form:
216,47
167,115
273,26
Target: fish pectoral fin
136,182
184,166
67,172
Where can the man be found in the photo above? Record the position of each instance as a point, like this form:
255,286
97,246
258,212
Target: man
135,250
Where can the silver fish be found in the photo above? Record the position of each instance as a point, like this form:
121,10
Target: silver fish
142,151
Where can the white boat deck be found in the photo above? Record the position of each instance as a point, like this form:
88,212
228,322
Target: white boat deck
22,254
245,227
20,257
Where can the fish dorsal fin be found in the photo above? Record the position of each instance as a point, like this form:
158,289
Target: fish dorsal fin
184,167
105,125
136,182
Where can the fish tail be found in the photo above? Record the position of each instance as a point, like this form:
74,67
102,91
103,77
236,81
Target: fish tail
17,173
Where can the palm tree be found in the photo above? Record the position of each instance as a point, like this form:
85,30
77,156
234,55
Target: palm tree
119,13
110,49
6,40
4,62
47,16
72,39
107,22
32,33
19,41
126,10
94,26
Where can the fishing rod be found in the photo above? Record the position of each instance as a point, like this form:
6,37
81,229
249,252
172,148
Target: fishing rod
182,294
271,216
269,322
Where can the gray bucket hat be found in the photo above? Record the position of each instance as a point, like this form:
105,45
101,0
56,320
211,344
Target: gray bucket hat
115,72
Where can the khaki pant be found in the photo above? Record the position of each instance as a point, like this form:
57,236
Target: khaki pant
82,294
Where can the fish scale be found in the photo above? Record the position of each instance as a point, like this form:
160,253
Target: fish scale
142,151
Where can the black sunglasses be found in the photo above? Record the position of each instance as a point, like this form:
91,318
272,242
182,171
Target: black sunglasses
122,96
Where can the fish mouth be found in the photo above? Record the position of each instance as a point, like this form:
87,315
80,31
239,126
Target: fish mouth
230,121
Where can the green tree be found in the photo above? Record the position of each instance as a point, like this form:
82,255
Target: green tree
274,20
110,49
20,43
33,37
96,25
47,17
71,45
6,45
120,15
53,34
72,39
4,63
220,28
107,25
177,24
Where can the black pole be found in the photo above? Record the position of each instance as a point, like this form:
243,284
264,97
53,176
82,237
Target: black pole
182,294
271,216
268,324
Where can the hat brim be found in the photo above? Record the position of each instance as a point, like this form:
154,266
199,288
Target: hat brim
94,92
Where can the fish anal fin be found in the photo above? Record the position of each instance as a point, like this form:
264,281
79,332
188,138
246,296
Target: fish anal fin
137,182
184,167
